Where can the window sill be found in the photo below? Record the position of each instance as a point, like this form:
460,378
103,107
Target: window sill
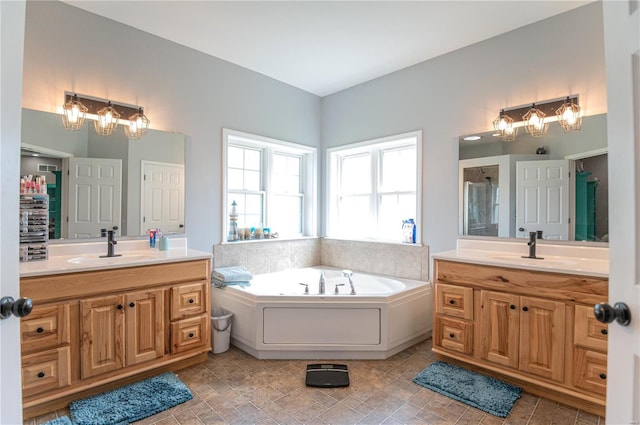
270,240
373,241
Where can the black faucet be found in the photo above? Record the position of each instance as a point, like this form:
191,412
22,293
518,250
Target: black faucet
532,245
110,233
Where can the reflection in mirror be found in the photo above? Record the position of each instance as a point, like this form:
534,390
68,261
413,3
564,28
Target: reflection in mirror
556,184
97,182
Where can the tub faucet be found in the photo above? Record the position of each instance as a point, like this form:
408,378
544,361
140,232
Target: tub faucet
532,246
321,286
348,274
110,241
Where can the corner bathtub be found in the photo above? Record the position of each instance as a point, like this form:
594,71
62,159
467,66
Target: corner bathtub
275,319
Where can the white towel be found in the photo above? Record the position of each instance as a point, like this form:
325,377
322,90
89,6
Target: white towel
231,274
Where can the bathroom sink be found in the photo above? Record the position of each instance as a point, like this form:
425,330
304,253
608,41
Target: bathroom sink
544,262
95,259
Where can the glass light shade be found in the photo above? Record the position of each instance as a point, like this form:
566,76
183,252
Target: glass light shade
73,114
535,123
569,116
509,134
108,119
504,124
138,125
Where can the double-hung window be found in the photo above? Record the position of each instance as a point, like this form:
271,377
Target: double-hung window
271,183
374,186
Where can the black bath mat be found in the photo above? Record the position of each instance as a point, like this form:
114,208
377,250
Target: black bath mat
325,375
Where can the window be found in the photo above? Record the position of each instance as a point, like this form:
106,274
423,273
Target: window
272,184
374,186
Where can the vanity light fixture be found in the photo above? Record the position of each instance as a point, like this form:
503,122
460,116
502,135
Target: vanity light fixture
535,123
569,116
504,124
106,114
138,125
73,114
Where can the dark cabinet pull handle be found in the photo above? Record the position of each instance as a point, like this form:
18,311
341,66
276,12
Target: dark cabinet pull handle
603,376
40,330
452,336
452,302
191,301
604,332
119,307
525,308
132,304
512,307
191,335
40,374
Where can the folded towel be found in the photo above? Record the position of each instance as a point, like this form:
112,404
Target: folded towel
231,274
220,284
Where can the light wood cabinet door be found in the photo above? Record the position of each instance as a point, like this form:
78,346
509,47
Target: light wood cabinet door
45,327
46,371
500,328
189,300
144,326
102,335
542,341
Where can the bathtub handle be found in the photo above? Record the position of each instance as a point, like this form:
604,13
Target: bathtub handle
306,288
335,291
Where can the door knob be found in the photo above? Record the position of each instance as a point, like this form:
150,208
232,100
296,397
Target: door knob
619,312
20,308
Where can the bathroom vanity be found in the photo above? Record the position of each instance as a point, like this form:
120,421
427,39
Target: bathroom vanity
98,323
527,321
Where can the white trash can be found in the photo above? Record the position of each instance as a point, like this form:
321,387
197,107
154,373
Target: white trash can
220,329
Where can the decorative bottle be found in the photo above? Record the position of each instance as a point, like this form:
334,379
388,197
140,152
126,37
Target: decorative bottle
233,222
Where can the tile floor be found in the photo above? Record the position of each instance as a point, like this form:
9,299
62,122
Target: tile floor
235,388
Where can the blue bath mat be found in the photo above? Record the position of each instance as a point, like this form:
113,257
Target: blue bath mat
480,391
132,402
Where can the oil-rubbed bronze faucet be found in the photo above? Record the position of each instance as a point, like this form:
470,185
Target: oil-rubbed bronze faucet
532,246
110,241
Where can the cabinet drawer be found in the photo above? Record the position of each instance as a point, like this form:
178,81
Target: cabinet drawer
454,335
590,371
188,300
454,301
45,371
588,332
45,327
188,334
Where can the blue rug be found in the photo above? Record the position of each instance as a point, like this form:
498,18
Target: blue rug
130,403
480,391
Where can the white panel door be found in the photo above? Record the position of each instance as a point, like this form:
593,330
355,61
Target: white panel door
95,196
163,197
542,198
622,60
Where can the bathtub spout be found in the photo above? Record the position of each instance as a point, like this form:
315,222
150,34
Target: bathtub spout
321,284
348,274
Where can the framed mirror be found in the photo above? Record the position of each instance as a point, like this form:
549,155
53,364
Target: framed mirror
556,184
97,182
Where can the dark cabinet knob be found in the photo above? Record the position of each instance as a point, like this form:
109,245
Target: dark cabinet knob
132,304
40,330
120,307
619,312
452,302
191,335
525,308
512,307
603,376
604,332
191,301
40,374
452,336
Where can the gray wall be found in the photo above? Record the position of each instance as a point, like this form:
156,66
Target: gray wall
181,90
463,91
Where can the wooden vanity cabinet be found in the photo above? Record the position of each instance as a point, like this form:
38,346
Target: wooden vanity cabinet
96,330
535,329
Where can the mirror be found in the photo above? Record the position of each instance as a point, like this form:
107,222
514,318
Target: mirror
557,184
142,184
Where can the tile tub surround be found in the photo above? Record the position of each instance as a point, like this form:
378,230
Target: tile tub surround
235,388
405,261
569,259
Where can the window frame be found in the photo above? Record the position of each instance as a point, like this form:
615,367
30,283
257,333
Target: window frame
333,160
269,147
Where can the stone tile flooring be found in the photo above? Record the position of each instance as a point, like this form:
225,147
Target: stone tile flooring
235,388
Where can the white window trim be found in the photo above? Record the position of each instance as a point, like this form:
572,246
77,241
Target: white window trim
308,174
365,146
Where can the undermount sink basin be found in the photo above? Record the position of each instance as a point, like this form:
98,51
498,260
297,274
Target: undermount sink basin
96,259
532,261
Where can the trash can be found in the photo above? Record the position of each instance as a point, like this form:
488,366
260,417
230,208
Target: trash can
220,329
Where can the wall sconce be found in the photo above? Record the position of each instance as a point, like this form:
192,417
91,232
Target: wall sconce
73,114
536,118
106,116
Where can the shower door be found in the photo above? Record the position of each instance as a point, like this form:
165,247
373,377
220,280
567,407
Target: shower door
481,208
